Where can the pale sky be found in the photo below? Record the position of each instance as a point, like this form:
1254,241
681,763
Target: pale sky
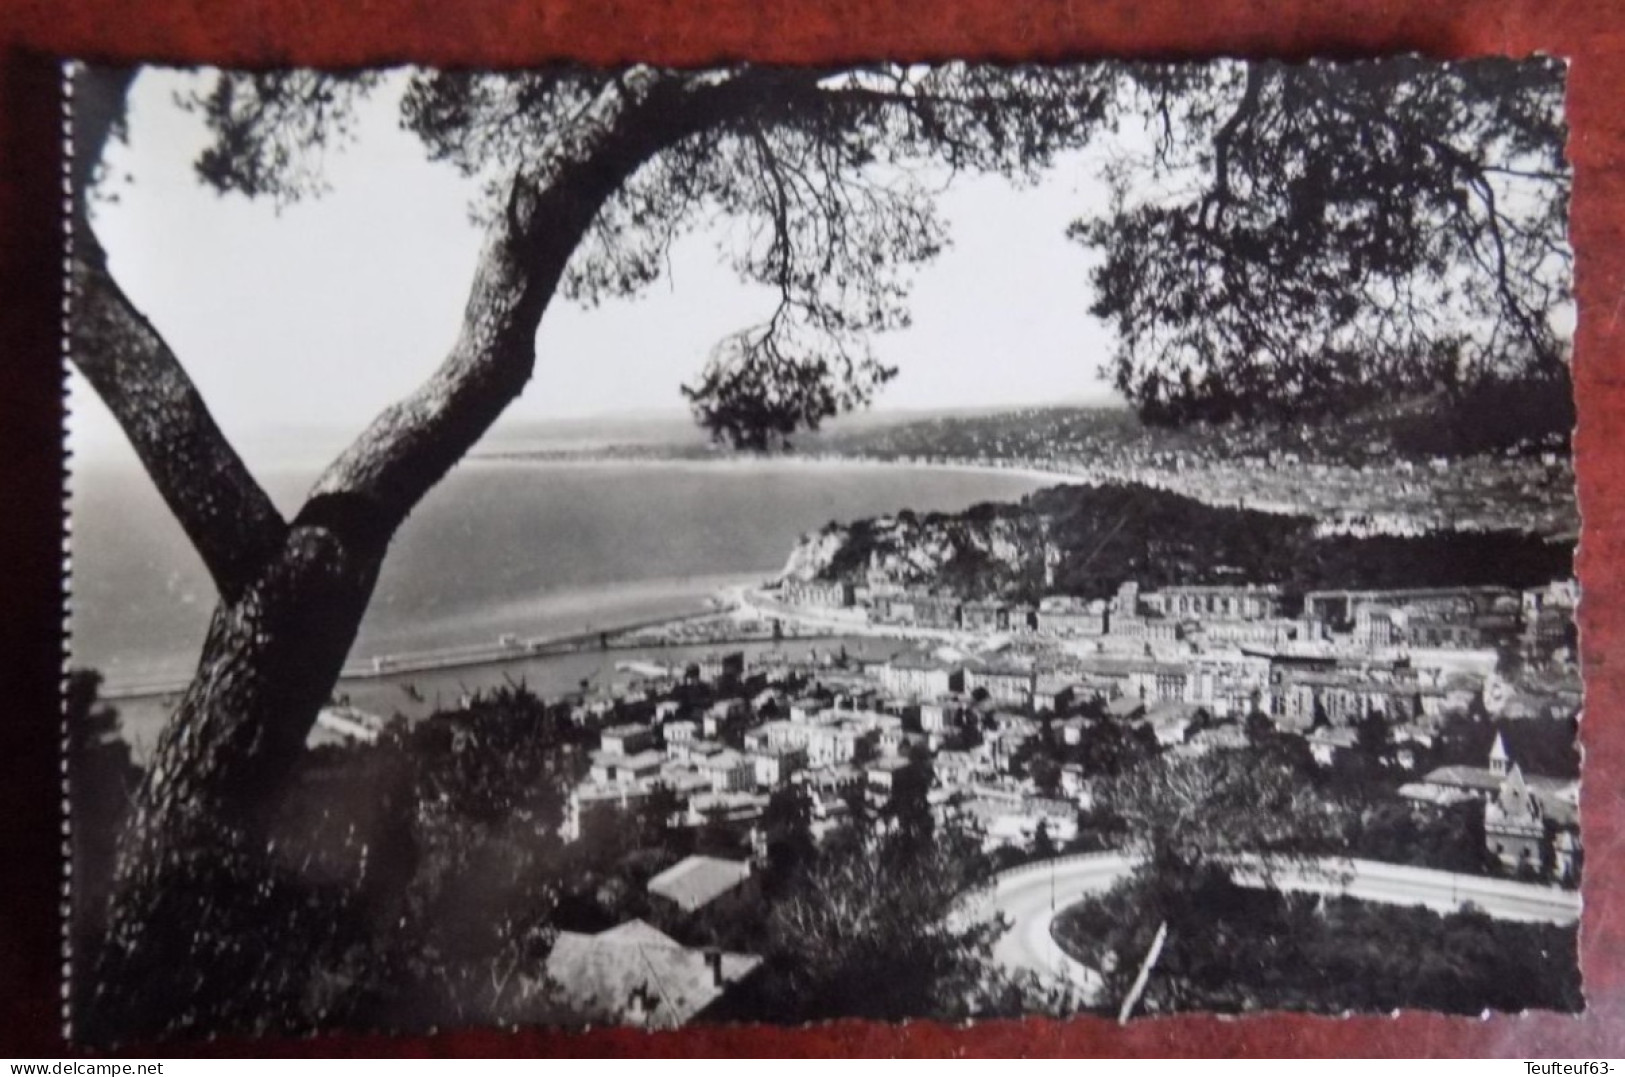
317,317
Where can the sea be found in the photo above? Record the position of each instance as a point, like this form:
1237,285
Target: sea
501,546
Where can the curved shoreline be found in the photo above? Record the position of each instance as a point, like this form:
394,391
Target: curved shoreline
1409,519
1024,471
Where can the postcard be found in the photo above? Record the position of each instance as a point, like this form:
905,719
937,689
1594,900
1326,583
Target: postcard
654,546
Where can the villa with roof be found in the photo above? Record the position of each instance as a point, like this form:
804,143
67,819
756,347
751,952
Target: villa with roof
697,881
634,974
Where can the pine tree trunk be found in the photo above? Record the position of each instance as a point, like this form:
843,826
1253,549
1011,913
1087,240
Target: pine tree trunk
204,920
209,932
206,926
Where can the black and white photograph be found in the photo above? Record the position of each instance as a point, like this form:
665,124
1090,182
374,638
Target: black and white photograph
764,544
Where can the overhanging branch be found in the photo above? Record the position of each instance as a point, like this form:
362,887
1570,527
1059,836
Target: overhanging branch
225,513
413,444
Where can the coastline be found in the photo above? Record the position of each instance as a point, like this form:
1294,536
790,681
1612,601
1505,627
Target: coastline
1419,504
762,462
413,694
641,605
534,635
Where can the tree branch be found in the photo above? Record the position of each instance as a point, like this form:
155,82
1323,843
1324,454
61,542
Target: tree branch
1475,175
415,442
1246,108
225,513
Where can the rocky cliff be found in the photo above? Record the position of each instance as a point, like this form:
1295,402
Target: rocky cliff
1086,540
990,550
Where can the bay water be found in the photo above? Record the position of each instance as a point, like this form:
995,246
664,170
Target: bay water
528,547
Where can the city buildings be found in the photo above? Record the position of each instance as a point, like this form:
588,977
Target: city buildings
1184,670
916,677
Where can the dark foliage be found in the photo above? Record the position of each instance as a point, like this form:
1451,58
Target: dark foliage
293,948
1098,537
1296,238
1438,559
1183,811
1488,417
907,808
102,781
1341,234
273,128
826,177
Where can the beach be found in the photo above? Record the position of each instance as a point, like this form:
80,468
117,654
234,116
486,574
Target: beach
504,554
501,548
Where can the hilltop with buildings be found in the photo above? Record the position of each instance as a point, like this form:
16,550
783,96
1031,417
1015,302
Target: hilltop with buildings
1496,458
1406,470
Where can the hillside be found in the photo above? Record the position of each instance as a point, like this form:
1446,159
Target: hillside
1494,418
1085,540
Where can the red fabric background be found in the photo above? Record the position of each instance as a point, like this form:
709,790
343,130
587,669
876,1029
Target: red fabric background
518,32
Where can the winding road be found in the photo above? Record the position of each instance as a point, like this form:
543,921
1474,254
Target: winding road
1028,898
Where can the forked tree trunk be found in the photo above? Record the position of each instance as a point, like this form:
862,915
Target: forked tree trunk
200,899
204,920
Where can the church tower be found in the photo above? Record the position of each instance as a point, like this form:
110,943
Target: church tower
1499,757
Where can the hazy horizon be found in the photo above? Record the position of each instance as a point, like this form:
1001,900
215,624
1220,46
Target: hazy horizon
318,315
301,444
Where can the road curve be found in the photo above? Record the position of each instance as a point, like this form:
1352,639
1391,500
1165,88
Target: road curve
1028,897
